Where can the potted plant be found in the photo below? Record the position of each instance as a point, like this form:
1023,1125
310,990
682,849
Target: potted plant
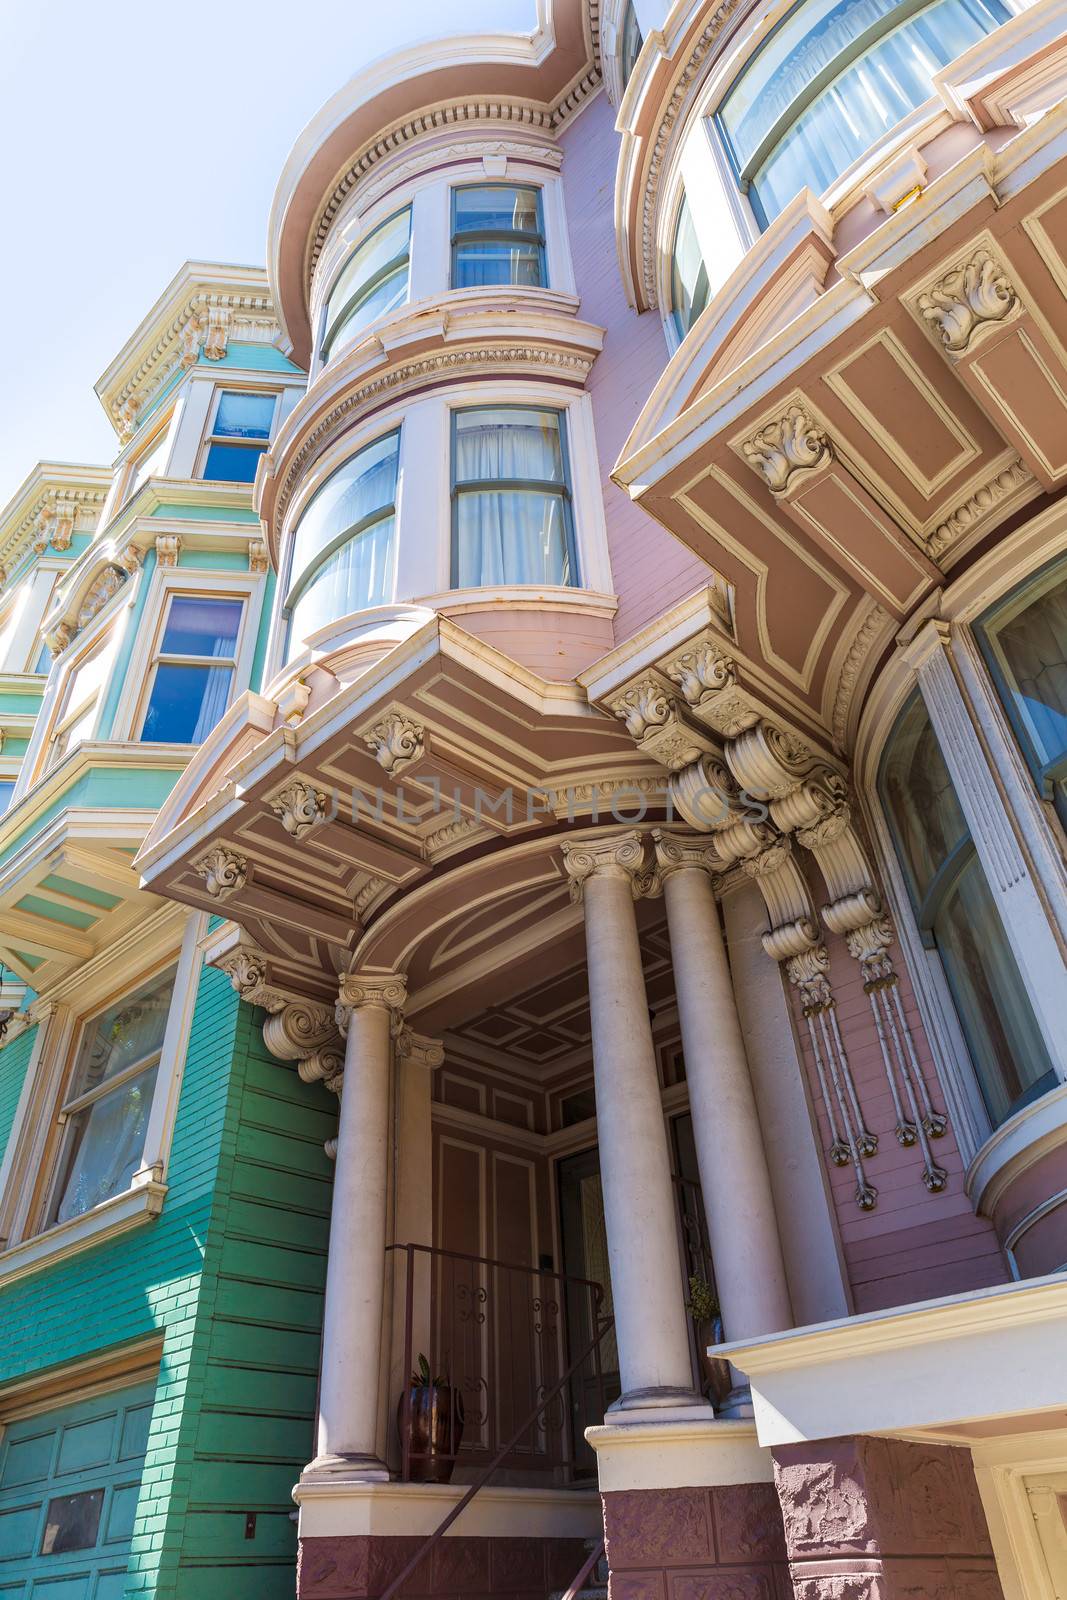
703,1307
431,1411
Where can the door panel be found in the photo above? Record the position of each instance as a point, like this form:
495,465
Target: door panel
69,1481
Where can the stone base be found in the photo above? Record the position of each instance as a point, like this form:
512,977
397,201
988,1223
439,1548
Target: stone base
719,1543
355,1566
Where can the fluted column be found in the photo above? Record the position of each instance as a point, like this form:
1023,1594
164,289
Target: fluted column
745,1248
368,1008
646,1276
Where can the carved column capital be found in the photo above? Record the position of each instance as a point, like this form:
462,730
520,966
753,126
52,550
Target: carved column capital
616,855
677,853
787,448
395,742
386,990
298,807
419,1050
223,870
973,294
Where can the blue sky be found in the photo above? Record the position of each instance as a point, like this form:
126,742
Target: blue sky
137,136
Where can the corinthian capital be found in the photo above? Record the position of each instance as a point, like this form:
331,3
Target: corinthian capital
676,853
616,855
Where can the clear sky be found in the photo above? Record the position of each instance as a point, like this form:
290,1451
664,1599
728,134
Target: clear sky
137,134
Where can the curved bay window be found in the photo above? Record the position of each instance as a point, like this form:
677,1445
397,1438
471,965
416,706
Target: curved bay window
1024,641
343,548
511,504
830,80
498,236
106,1106
373,282
958,919
689,276
632,41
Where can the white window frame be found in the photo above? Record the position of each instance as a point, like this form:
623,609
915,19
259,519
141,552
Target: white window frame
208,437
171,935
203,583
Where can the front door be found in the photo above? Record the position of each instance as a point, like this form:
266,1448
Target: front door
69,1481
585,1255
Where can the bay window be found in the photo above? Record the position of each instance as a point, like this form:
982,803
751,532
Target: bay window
81,697
239,435
194,669
957,917
374,280
511,502
689,276
105,1108
343,549
631,43
1024,641
498,236
830,80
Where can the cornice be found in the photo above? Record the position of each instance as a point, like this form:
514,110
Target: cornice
54,490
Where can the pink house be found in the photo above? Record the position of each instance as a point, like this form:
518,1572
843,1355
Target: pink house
651,824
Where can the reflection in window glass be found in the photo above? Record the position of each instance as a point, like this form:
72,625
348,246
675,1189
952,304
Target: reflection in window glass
957,916
374,281
512,519
497,236
1024,639
194,669
831,80
109,1099
239,436
689,277
631,43
72,1522
343,548
7,789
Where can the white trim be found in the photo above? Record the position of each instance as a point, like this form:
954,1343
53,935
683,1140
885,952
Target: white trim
170,1071
1027,1136
136,1204
331,1510
677,1455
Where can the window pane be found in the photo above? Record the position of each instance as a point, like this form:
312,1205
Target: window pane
511,537
500,442
72,1522
358,575
201,627
689,278
127,1032
232,463
1009,1056
78,730
361,487
244,416
478,265
496,208
631,43
387,242
1028,636
7,789
918,795
868,96
105,1142
43,660
185,704
387,294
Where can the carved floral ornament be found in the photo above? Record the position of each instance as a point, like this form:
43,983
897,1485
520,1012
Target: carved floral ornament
972,295
395,742
787,447
107,583
224,871
299,807
626,856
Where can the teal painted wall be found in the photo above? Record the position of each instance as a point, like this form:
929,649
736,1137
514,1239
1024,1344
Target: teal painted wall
14,1059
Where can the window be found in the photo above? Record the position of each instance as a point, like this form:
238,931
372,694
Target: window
42,661
497,236
343,547
830,80
145,465
511,511
958,918
239,435
7,789
689,276
105,1110
77,718
631,43
194,669
374,281
1024,640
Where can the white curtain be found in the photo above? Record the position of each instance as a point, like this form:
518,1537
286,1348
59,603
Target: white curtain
512,535
358,575
112,1142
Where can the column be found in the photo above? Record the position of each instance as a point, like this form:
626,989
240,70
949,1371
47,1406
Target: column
1007,869
607,874
355,1271
749,1272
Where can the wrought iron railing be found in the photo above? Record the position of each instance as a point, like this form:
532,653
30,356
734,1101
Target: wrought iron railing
498,1339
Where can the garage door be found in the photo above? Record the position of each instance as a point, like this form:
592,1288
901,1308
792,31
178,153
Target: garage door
69,1481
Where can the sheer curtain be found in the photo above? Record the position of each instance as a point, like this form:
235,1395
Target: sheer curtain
513,535
358,575
108,1141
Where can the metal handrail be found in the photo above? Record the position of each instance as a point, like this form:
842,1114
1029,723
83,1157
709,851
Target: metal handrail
579,1583
505,1450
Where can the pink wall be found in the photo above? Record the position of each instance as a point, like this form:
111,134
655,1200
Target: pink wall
652,569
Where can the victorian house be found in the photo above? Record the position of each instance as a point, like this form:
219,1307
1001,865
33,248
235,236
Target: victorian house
532,898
